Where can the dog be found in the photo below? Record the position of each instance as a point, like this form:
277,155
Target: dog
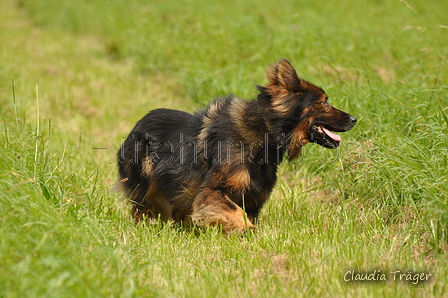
218,166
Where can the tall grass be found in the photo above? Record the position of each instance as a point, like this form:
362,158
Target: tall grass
84,73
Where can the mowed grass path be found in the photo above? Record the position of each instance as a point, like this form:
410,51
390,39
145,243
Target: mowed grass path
76,77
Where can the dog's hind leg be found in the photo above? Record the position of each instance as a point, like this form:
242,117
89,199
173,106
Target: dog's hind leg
213,207
154,205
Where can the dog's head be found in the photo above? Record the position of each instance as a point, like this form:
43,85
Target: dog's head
302,110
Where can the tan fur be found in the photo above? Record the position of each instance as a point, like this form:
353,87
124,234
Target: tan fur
240,179
147,166
184,200
299,139
309,86
281,107
218,213
282,83
237,112
212,114
156,204
202,136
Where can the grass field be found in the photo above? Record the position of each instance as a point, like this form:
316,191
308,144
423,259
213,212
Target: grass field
75,76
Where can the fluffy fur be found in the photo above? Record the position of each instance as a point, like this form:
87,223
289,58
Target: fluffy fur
218,166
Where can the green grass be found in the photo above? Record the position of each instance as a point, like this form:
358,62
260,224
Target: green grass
77,75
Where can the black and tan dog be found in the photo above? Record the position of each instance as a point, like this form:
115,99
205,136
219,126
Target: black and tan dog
219,165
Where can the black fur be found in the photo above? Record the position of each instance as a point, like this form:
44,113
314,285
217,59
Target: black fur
211,165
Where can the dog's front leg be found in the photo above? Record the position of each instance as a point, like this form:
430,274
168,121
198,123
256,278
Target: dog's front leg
213,207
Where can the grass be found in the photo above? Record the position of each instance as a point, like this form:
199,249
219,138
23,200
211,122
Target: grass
74,77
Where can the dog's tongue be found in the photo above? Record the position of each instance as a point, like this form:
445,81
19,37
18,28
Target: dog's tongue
332,135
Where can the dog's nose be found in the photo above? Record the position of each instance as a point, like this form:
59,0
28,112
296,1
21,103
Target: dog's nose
352,119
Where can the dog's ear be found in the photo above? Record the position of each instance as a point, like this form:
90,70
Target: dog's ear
283,79
283,83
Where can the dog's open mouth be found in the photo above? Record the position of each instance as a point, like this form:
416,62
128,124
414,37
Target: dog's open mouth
331,135
325,137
